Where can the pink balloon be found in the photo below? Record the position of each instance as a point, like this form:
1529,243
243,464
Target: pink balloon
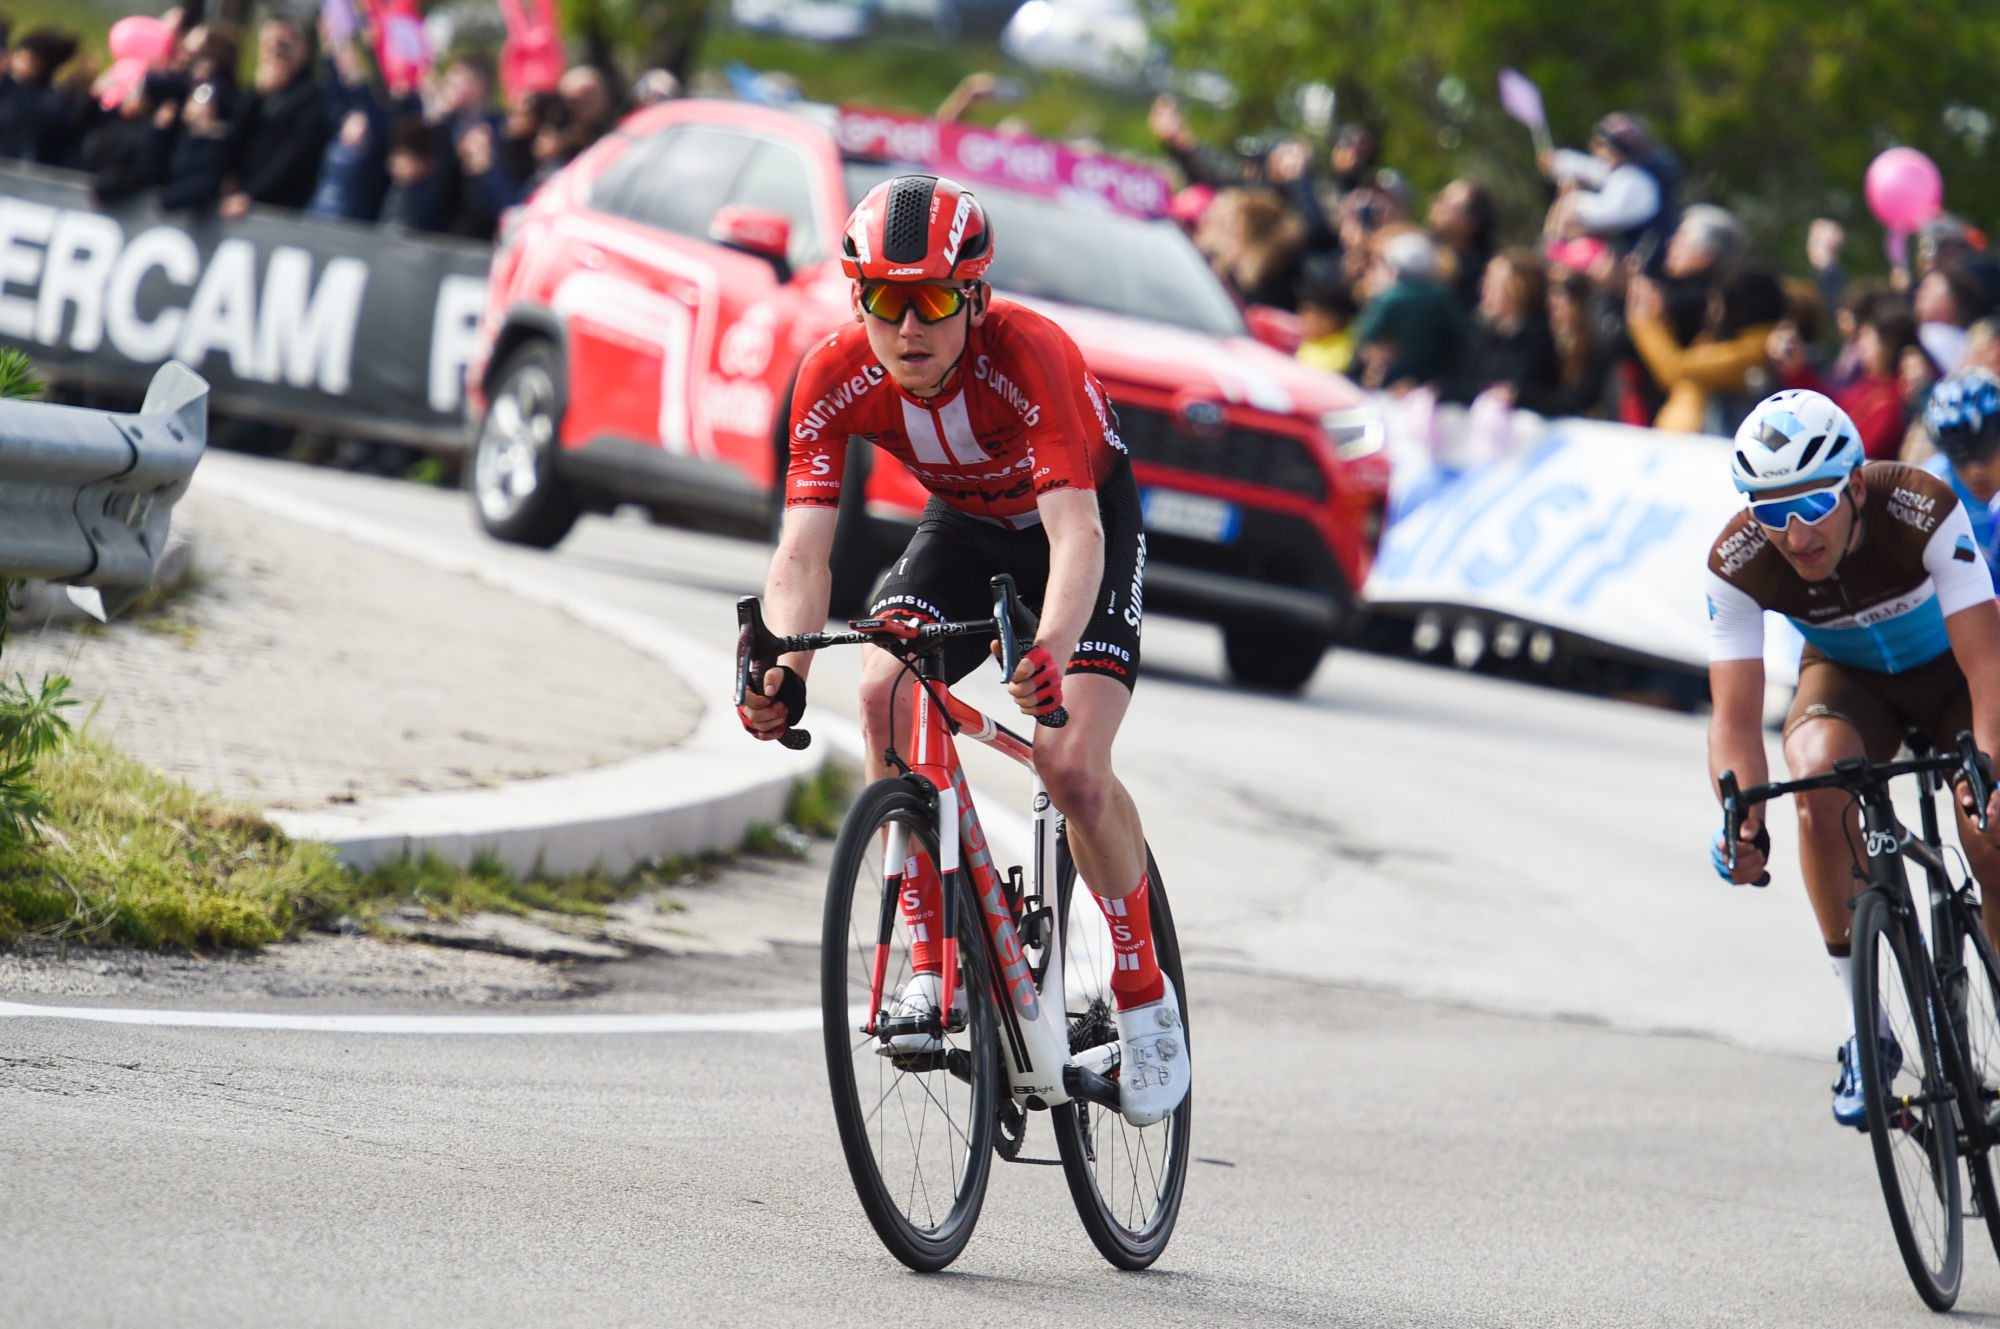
1904,189
143,38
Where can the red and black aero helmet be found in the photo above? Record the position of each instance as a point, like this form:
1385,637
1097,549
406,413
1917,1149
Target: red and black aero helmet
917,228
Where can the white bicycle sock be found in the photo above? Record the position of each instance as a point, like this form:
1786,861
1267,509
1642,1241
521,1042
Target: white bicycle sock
1843,973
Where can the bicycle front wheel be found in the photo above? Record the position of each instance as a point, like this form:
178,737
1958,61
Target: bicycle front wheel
1976,1011
1911,1121
1126,1180
917,1127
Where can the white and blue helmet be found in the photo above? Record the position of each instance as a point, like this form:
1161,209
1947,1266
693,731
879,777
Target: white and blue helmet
1793,437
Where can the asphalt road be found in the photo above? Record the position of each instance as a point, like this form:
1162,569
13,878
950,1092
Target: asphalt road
1386,890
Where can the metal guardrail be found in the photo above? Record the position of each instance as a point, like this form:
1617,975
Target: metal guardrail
87,497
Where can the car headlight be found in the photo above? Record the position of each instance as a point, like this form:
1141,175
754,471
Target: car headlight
1354,434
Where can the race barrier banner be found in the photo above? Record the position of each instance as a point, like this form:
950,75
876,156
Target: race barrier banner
1598,530
985,156
293,320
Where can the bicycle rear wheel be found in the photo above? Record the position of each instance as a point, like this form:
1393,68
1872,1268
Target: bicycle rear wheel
1976,1010
1126,1180
917,1128
1911,1116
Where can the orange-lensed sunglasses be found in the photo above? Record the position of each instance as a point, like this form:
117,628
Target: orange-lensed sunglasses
889,300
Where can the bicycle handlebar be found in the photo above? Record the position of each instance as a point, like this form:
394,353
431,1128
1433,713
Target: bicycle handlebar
1969,764
758,648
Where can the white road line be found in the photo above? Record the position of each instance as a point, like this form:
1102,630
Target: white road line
798,1020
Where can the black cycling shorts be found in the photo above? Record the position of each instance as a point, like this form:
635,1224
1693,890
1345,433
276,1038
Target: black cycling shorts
946,572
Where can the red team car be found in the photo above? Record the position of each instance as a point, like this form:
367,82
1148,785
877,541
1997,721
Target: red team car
648,309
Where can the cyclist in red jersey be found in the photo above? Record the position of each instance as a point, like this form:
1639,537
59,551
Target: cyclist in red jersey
991,407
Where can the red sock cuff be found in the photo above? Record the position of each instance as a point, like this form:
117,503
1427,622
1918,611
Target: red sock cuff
1135,976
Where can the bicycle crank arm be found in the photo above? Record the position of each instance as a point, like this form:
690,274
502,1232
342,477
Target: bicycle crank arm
1086,1084
955,1061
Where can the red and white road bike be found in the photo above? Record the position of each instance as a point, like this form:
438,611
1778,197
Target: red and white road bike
1024,1019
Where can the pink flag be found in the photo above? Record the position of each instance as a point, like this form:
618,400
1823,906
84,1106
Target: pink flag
401,48
1521,99
532,60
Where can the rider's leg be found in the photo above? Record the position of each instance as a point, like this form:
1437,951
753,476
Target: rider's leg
1075,764
1104,833
880,671
1981,856
1829,824
1984,860
922,893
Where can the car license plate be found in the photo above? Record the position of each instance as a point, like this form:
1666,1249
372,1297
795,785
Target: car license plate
1172,513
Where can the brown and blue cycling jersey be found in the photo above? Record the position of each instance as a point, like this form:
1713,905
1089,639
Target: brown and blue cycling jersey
1914,565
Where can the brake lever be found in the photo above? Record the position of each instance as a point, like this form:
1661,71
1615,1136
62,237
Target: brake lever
1733,815
1008,612
1978,770
756,651
749,625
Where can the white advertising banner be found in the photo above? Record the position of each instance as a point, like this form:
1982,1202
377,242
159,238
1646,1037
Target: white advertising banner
1599,530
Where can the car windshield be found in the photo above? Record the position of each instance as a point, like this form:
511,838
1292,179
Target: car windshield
1104,261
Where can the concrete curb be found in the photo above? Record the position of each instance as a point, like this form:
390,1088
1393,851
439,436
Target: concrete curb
700,796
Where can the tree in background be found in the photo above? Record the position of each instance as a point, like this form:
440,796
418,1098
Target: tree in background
658,34
1775,106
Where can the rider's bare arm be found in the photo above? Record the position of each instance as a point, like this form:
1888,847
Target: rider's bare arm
1975,641
1076,567
1736,726
797,592
1736,743
800,584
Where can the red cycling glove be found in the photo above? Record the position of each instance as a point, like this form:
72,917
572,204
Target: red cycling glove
1046,679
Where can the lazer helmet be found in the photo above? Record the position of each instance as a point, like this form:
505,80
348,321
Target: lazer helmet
917,228
1791,438
1963,415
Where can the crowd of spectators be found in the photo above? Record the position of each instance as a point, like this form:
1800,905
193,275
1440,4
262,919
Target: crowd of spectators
1632,304
315,129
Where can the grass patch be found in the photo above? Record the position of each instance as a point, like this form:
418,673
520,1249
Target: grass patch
130,857
818,803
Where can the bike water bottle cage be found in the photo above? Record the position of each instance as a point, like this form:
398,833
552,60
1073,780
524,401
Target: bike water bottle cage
889,301
1812,507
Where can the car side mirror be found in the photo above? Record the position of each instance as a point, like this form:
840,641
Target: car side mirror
1274,327
758,231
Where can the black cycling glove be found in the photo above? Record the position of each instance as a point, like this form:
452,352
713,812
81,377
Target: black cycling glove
791,696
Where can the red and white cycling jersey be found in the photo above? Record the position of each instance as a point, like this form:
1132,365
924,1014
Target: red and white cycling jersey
1024,417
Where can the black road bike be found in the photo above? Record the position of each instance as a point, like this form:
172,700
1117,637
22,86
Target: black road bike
1927,1003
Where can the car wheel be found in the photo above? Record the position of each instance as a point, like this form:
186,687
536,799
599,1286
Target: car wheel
516,489
1272,657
